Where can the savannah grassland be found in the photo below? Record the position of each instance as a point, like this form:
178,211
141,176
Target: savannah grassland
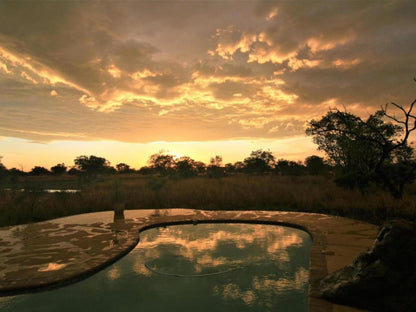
240,192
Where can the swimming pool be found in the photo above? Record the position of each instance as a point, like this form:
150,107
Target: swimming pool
204,267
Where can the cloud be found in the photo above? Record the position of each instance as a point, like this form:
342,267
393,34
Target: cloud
143,72
229,41
229,90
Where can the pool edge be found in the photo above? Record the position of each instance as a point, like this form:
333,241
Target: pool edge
324,230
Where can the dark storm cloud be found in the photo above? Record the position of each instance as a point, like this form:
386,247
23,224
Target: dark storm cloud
77,40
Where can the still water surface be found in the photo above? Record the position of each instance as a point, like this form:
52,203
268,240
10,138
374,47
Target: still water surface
207,267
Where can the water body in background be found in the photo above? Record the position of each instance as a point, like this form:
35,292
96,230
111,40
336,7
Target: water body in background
44,190
204,267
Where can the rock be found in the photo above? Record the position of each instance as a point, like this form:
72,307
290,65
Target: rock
382,279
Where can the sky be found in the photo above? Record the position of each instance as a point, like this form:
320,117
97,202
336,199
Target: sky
126,79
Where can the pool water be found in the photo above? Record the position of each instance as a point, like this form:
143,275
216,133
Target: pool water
204,267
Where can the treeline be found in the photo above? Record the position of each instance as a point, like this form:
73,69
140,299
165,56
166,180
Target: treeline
361,153
260,162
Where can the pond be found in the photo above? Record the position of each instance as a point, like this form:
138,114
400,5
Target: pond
205,267
44,190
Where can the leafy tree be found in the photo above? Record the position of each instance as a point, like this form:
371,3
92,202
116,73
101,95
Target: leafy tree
91,165
368,151
59,169
37,170
229,168
316,165
145,170
259,162
110,170
289,167
3,169
162,163
216,161
215,169
239,166
186,167
200,167
74,171
123,168
16,172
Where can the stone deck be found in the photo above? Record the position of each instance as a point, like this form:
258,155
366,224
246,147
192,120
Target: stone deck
57,252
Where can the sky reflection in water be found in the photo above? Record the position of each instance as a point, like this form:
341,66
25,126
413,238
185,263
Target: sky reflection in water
208,267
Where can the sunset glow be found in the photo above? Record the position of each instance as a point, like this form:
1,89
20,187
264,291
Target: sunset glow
124,80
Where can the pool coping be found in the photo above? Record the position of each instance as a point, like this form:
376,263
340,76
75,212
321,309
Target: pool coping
54,253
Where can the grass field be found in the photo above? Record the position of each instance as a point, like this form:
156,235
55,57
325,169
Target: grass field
290,193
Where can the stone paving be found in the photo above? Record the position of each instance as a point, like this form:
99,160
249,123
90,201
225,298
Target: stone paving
53,253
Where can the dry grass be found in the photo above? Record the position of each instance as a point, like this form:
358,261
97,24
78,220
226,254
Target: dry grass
304,193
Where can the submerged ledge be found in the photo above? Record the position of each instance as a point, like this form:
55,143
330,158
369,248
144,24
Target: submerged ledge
38,256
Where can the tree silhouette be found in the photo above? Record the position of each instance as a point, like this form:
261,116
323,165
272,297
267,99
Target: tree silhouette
16,172
3,169
289,167
200,167
59,169
123,168
162,163
368,151
239,166
229,168
185,167
74,171
316,165
259,162
91,165
215,169
145,170
37,170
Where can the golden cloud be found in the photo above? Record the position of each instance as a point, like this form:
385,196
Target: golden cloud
55,135
32,71
4,68
272,14
317,44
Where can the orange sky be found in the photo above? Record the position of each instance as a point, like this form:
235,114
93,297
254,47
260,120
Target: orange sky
124,80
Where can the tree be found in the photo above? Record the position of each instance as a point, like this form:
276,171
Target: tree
200,167
215,169
73,171
110,170
145,170
3,169
216,161
16,172
368,151
59,169
91,165
186,167
239,166
162,163
289,167
123,168
229,168
38,170
316,165
259,162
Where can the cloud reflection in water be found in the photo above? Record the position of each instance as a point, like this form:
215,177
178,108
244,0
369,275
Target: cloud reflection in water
241,267
262,253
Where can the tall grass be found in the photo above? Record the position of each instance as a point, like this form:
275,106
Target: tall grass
289,193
